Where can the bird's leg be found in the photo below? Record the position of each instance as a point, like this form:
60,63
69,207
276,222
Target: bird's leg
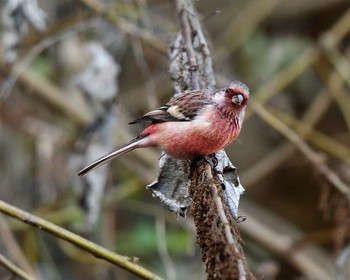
212,160
240,219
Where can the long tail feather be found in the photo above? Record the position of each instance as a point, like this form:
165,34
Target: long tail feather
108,157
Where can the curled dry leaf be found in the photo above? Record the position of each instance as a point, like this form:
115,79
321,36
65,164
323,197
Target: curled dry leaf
173,182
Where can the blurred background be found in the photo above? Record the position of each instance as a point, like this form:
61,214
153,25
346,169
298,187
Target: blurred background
74,73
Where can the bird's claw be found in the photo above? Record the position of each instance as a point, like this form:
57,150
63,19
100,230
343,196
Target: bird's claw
240,219
212,160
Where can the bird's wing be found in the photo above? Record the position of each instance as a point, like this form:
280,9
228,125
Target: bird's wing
183,107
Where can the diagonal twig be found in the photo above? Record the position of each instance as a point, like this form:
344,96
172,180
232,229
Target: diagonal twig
293,137
97,250
14,269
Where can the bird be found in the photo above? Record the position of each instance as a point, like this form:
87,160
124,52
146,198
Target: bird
192,124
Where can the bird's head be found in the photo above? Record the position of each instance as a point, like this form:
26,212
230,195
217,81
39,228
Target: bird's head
237,93
232,100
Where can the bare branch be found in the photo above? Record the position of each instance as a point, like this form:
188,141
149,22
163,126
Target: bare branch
13,247
183,12
242,274
217,233
214,205
292,136
124,25
14,269
97,250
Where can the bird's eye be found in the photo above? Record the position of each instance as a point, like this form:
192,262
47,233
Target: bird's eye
237,99
228,90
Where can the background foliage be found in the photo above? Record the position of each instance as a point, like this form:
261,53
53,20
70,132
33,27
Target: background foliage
292,156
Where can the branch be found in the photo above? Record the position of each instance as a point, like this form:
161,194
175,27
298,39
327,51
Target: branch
132,30
294,138
217,232
97,250
318,139
14,269
274,159
226,225
301,63
12,247
20,67
281,237
187,38
240,28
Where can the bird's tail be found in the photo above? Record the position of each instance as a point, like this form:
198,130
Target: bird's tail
112,155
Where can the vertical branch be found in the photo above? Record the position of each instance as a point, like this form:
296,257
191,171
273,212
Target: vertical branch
217,232
187,38
190,59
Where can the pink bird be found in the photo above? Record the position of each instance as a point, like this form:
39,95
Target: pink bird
195,123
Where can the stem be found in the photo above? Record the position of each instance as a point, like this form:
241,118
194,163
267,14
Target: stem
97,250
187,37
14,269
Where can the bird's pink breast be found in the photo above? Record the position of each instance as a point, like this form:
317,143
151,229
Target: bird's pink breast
202,136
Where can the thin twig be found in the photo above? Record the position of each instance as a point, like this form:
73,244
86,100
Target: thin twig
41,86
13,247
225,223
32,54
340,63
318,139
127,27
187,38
279,236
146,72
52,94
293,137
206,61
337,32
162,247
342,263
307,58
274,159
341,96
14,269
335,84
287,75
245,22
97,250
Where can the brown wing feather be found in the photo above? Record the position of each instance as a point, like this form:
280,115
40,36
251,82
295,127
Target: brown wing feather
183,107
